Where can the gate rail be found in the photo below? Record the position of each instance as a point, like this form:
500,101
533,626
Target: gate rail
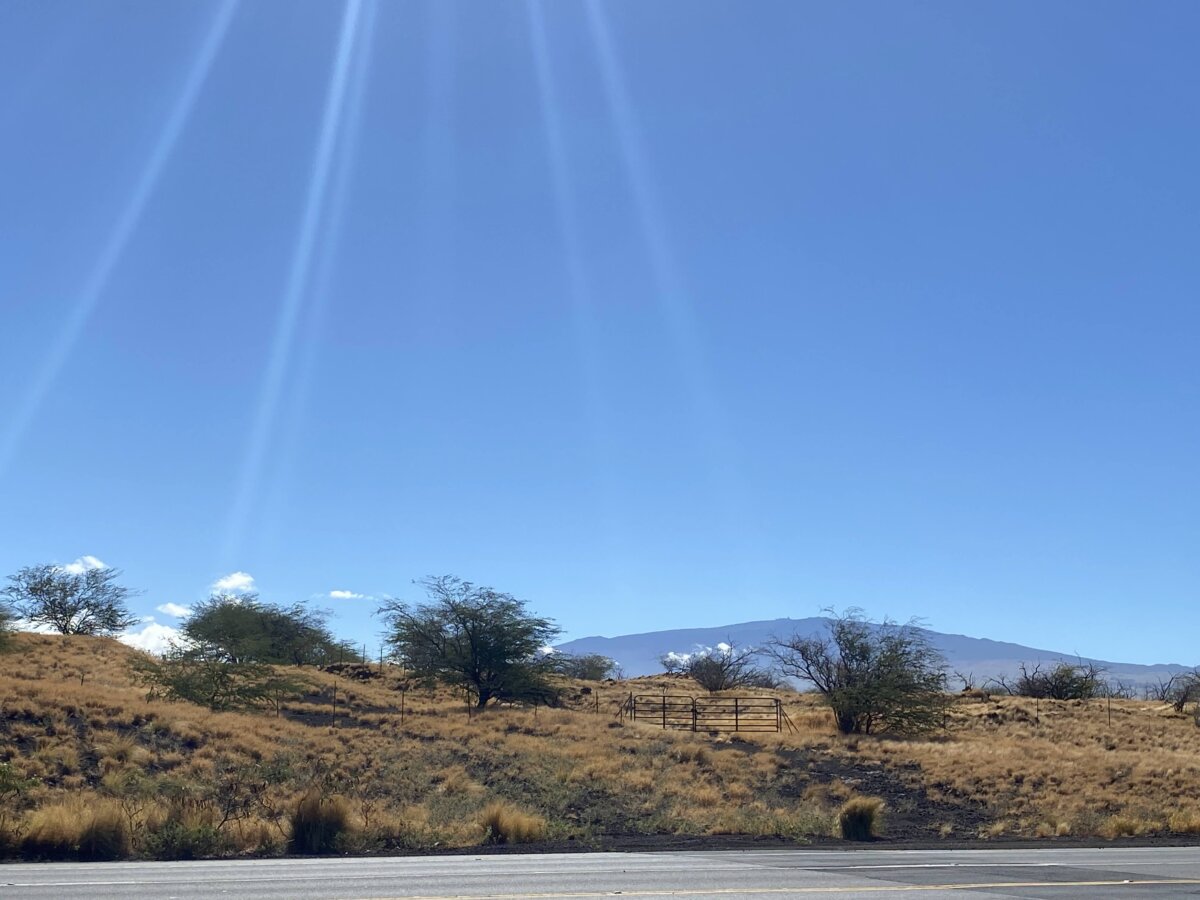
686,713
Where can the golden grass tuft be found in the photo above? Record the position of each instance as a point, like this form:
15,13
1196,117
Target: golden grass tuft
91,828
1126,826
318,823
861,818
508,825
1184,822
52,831
104,834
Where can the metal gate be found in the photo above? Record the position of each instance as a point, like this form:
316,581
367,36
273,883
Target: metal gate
687,713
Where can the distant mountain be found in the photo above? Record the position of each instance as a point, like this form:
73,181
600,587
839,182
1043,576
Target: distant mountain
639,654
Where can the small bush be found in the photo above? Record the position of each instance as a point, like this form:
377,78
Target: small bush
508,825
861,818
318,822
1065,681
183,833
258,837
407,830
1124,826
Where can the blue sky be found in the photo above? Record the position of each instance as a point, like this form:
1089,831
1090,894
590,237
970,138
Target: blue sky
654,315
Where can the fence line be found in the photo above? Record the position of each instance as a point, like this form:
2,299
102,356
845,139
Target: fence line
686,713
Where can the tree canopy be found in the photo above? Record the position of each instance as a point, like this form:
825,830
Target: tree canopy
875,677
241,629
475,638
722,668
1062,681
87,602
203,674
585,666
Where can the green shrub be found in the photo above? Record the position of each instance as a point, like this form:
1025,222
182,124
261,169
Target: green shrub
183,831
861,818
317,824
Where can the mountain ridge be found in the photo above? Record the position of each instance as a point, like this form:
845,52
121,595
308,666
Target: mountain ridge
639,653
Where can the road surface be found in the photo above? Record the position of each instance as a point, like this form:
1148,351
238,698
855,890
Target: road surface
727,875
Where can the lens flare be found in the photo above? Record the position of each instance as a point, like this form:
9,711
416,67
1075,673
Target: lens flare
126,225
710,421
299,271
329,243
583,315
668,289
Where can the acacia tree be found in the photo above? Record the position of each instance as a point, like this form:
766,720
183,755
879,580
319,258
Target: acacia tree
473,637
1063,681
875,677
243,629
585,667
202,673
1179,689
722,668
88,602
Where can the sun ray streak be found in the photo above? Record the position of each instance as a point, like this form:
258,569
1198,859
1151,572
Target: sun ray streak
262,427
329,240
583,314
711,422
667,282
123,230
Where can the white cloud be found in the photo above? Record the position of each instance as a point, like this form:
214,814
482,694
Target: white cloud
30,627
153,638
234,583
347,595
174,609
83,564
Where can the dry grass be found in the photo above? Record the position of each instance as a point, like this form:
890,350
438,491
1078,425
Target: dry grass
506,824
1062,764
77,828
318,824
861,819
190,782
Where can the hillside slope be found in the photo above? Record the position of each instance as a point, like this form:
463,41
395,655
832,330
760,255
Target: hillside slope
401,768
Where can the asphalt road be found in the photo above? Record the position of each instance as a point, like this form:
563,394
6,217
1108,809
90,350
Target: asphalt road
1047,873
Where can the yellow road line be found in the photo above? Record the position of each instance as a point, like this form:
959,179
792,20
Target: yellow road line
841,889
